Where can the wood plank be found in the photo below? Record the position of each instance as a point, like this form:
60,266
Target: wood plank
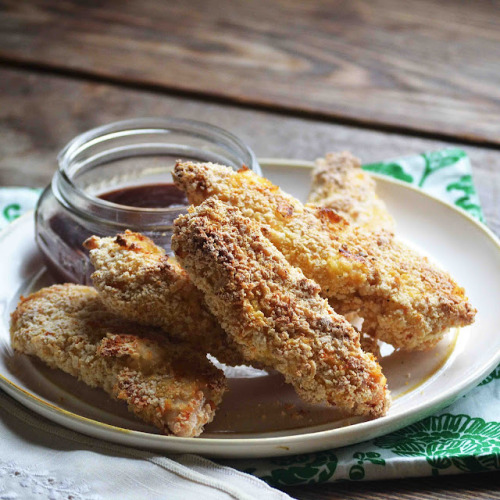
430,66
40,113
485,486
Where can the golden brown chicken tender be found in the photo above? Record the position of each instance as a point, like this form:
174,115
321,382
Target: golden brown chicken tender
166,384
404,299
274,312
137,281
339,183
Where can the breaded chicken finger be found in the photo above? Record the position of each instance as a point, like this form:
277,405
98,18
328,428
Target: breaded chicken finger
274,312
338,182
404,299
137,281
166,384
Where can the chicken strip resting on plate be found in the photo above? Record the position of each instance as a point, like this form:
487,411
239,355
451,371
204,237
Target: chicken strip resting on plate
404,299
274,312
137,281
338,182
166,384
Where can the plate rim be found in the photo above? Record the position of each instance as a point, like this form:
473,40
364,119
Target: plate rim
281,444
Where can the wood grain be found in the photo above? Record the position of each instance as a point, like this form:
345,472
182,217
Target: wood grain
484,486
39,114
426,66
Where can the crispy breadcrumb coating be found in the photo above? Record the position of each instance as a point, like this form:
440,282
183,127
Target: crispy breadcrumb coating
338,182
404,299
274,312
137,281
165,384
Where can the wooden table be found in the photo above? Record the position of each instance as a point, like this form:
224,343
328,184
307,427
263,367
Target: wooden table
293,79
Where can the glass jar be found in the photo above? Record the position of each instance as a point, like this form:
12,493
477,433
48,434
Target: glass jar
116,158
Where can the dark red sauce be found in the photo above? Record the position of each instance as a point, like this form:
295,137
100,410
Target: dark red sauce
147,196
74,234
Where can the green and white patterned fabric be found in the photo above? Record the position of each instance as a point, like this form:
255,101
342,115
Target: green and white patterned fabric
445,174
14,201
465,437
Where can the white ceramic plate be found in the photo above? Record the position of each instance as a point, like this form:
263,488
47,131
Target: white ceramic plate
261,415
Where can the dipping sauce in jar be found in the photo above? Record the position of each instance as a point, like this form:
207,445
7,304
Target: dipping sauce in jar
148,196
118,177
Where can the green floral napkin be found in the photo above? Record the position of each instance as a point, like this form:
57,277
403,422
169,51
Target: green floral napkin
445,174
465,437
14,201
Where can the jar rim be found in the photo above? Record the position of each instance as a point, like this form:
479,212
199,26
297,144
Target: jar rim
62,182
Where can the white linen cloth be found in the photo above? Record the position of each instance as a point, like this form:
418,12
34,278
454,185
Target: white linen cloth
42,460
